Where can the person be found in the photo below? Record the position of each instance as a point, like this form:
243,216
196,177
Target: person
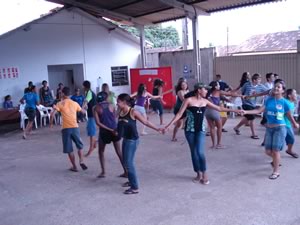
111,95
269,85
156,104
141,96
276,76
223,85
45,94
291,97
105,116
32,100
270,80
58,91
89,103
27,89
7,104
195,107
213,116
249,89
181,89
127,129
77,97
244,79
276,108
70,131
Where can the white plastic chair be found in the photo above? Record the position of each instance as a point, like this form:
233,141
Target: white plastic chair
44,114
24,117
236,104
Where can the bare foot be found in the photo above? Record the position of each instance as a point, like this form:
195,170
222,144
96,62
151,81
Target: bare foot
212,147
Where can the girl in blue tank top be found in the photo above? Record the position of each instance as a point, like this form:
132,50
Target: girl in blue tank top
140,99
128,131
105,117
276,108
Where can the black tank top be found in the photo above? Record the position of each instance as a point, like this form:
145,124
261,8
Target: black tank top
127,127
155,91
194,119
91,105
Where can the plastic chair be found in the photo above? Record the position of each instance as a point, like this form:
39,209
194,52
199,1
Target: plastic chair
236,104
24,117
44,114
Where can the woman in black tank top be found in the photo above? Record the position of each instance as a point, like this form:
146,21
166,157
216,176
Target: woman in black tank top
195,128
128,131
156,104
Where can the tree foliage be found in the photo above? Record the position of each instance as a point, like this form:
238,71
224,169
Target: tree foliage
159,36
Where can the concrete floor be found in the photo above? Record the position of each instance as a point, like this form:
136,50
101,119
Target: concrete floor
37,188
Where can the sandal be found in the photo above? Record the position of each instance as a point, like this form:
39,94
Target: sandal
274,176
204,182
293,154
83,166
254,137
223,130
131,191
237,131
73,169
126,184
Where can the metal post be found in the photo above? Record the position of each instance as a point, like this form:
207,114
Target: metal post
196,50
185,37
142,45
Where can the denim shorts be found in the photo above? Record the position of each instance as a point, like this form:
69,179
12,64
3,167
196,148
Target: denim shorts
140,109
69,135
290,137
157,106
275,138
30,113
248,116
91,127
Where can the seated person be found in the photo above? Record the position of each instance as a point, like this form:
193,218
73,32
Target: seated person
7,104
77,97
46,95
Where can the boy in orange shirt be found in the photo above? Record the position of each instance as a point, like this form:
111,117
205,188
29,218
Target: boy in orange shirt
70,130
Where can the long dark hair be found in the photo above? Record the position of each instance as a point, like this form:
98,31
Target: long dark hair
244,79
126,98
289,92
213,85
158,82
178,86
141,90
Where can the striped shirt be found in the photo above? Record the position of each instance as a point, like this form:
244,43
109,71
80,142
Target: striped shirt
249,89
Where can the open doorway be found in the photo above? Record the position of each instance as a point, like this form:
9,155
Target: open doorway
70,75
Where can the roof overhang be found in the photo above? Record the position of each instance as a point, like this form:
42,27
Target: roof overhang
146,12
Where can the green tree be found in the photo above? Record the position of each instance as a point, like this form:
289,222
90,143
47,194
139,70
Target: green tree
159,36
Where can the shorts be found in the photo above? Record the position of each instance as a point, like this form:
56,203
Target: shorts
275,138
140,109
30,113
212,114
69,135
91,127
156,106
106,137
290,136
176,110
248,107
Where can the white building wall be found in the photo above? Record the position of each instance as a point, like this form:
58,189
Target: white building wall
67,37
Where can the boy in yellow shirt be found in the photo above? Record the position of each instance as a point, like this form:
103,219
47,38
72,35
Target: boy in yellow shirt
70,130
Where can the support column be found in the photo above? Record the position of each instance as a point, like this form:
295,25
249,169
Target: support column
142,45
185,37
196,50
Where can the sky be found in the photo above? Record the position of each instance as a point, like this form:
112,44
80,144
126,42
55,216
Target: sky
241,23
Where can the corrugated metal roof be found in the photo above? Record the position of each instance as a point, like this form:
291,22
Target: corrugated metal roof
155,11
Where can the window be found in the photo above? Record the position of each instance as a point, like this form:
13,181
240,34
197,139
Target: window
119,75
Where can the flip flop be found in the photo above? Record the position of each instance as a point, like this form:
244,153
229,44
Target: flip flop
123,175
73,169
254,137
131,191
274,176
101,176
223,130
204,182
83,166
237,131
293,154
220,147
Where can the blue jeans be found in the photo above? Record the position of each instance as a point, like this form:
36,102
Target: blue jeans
129,147
196,141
